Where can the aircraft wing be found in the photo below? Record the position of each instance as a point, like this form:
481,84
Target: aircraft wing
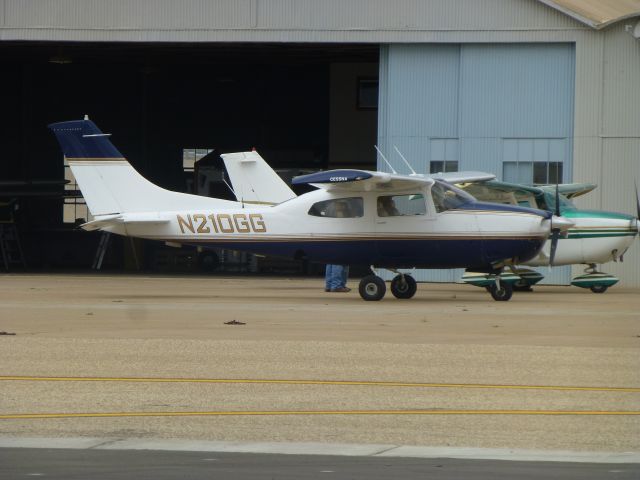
253,180
361,180
571,190
463,177
511,187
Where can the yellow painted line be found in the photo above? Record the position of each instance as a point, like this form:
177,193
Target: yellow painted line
23,416
316,382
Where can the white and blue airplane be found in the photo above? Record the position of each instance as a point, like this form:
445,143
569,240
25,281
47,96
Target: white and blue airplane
350,219
595,237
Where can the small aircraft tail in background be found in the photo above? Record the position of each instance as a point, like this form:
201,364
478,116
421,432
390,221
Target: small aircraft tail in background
254,181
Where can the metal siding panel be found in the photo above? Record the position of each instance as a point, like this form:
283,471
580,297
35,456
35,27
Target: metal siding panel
377,21
373,14
621,115
517,90
607,102
419,85
621,159
124,14
426,76
481,154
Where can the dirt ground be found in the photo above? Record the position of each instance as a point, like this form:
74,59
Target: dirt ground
492,374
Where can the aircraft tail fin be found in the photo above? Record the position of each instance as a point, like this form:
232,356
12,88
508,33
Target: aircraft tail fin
109,184
254,181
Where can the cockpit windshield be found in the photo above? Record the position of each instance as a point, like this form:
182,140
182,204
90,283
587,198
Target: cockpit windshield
549,200
448,197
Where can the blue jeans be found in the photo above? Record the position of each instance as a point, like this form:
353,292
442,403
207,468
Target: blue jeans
336,276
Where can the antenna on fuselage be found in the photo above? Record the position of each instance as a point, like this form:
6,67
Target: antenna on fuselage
385,160
413,172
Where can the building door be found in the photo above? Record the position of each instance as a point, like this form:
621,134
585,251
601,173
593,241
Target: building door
500,108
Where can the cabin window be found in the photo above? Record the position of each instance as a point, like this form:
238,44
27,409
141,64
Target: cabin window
399,205
338,208
448,197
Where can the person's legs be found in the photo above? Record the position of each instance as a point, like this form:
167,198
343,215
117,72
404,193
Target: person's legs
335,277
345,275
327,277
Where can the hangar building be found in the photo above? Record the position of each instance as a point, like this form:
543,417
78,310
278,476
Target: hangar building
520,88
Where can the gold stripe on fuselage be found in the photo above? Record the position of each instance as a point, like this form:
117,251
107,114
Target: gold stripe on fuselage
288,239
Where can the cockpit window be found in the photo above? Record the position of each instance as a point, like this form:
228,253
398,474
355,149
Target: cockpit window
338,208
398,205
448,197
547,201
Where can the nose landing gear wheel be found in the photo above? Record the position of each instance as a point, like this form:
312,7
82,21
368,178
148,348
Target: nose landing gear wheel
501,293
403,286
372,288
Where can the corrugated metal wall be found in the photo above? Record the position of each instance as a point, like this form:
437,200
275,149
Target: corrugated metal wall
268,20
481,98
608,130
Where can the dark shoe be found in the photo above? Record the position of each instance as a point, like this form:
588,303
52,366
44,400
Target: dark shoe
327,289
341,289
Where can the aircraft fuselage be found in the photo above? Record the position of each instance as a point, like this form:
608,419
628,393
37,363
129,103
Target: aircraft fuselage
474,235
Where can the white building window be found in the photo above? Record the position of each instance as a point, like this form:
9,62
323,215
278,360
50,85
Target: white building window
444,155
533,160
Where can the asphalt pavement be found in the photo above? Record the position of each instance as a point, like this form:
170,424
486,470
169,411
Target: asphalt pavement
21,463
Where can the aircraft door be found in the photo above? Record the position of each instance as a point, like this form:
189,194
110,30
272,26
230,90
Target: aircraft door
399,219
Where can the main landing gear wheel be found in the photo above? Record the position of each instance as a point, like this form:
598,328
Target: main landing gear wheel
372,288
403,286
501,293
598,288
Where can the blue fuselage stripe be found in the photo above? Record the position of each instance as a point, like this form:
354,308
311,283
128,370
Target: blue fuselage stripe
428,253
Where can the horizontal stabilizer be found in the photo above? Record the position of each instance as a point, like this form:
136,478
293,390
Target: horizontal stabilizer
126,218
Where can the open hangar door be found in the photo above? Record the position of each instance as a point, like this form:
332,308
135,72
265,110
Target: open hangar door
302,106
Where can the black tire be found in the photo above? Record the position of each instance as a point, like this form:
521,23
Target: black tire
501,293
372,288
208,261
598,288
403,289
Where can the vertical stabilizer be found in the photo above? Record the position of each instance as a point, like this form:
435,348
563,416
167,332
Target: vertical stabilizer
109,184
253,180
